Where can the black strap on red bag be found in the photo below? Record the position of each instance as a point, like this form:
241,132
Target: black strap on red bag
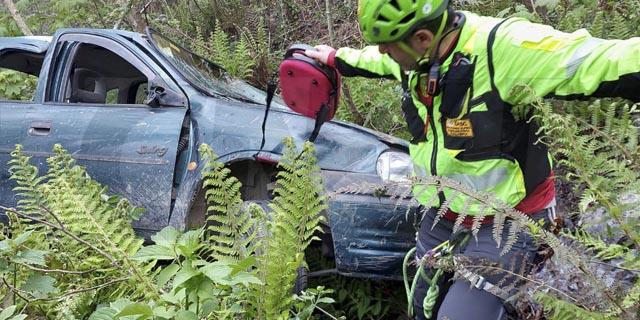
307,87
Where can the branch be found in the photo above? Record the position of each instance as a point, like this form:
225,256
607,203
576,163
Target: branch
327,7
66,294
17,18
62,229
30,267
126,11
621,148
72,292
15,290
525,278
357,116
104,23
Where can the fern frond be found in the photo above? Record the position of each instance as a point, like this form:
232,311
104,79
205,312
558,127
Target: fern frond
231,231
295,220
562,310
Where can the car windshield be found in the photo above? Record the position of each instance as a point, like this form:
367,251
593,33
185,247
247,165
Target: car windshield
206,76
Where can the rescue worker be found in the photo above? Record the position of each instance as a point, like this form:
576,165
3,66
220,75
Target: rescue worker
461,73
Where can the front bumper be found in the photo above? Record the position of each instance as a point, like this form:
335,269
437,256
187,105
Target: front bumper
370,234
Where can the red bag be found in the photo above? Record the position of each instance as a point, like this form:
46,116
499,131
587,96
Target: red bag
308,87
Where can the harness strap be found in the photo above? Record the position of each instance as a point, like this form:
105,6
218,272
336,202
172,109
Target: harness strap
479,282
490,41
321,117
271,90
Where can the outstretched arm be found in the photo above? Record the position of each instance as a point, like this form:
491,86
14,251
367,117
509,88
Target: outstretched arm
564,65
367,62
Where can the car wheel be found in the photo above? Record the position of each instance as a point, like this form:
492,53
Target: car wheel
302,280
257,185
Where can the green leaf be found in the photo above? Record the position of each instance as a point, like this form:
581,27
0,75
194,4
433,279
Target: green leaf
245,278
167,273
186,315
4,246
31,257
186,272
154,252
244,265
8,312
166,237
120,304
4,266
326,300
39,283
174,297
550,4
164,313
22,238
136,309
189,243
104,313
216,271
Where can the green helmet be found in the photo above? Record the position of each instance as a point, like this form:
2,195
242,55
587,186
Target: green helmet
384,21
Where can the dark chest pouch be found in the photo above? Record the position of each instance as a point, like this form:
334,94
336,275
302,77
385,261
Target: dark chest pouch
475,126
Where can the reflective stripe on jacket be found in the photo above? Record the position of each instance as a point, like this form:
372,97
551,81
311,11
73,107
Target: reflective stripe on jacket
471,135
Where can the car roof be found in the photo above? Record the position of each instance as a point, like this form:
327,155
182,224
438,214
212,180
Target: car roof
35,44
40,44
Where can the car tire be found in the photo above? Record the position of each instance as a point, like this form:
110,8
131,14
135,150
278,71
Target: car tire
302,280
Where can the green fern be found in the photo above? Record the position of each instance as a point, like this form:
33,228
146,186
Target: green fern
562,310
295,219
231,230
220,47
27,178
606,251
243,59
89,232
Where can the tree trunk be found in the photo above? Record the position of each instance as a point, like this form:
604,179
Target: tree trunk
17,18
124,14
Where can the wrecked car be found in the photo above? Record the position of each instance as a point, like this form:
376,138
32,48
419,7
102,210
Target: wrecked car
132,108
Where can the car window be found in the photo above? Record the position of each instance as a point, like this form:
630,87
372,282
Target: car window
100,76
112,96
19,71
204,75
141,93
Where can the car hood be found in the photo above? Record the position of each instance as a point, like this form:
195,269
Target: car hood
383,137
234,130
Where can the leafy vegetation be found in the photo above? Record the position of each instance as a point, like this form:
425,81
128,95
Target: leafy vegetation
48,269
16,85
70,252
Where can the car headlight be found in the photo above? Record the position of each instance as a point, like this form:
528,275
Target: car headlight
394,166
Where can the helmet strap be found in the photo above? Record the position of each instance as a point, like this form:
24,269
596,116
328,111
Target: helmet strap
431,52
404,46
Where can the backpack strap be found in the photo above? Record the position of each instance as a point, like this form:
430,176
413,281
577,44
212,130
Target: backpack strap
410,113
490,42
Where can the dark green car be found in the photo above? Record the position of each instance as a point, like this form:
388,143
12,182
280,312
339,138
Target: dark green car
133,108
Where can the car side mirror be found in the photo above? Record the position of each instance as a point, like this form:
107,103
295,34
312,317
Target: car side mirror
158,95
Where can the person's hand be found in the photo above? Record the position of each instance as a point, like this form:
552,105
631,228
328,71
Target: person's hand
322,54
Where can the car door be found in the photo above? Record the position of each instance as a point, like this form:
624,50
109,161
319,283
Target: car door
20,63
94,107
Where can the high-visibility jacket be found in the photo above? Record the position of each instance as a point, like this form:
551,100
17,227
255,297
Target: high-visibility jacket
469,133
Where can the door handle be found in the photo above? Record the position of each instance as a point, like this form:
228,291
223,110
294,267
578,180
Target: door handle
40,128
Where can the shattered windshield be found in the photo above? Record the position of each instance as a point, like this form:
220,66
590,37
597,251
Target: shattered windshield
206,76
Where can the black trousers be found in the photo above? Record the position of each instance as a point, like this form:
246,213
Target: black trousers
458,300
